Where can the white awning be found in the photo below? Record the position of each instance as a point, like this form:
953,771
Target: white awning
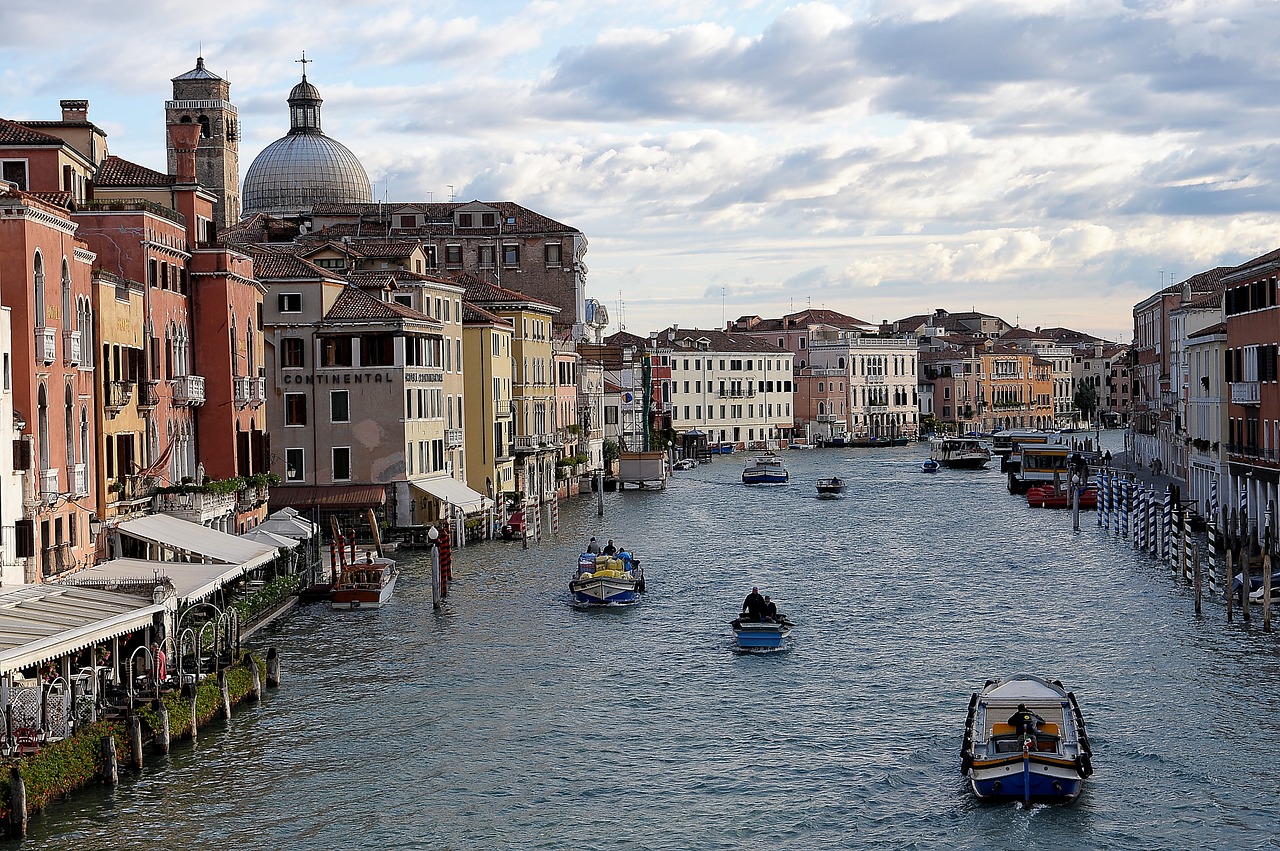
271,539
450,490
199,542
192,581
290,527
39,623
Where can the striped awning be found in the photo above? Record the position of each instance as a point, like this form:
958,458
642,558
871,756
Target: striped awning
331,497
39,623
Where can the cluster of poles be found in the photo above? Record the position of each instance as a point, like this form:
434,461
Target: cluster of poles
1157,522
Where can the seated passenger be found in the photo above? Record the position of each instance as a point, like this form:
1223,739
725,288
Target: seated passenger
1024,720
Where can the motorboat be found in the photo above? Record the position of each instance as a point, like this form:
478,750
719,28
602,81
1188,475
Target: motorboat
1051,496
607,580
830,488
366,584
1255,585
1025,740
765,470
878,442
798,445
929,466
961,452
765,634
722,448
684,464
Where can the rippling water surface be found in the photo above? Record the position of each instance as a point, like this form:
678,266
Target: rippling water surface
514,720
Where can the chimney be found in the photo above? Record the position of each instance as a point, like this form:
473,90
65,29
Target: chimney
185,139
74,110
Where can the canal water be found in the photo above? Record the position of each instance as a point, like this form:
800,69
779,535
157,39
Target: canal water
514,720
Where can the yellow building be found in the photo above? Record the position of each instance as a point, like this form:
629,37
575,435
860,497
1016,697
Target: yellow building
533,391
490,429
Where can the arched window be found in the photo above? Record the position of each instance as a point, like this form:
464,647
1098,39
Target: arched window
69,425
65,317
39,296
84,434
841,363
42,425
204,126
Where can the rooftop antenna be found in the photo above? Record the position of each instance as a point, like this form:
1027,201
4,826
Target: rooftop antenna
722,317
450,185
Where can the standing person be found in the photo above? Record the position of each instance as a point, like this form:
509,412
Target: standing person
754,605
593,547
610,549
770,608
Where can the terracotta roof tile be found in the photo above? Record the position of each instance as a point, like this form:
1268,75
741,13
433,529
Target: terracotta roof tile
15,133
272,265
473,315
483,292
354,303
115,171
440,216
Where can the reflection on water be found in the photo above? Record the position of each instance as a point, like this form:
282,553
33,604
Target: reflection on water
514,719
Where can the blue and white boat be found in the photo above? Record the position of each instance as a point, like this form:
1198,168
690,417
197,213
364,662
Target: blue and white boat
1025,741
929,466
765,470
607,580
762,634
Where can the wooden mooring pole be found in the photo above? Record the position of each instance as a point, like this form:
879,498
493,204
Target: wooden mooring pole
194,732
110,762
1196,577
135,742
273,668
1266,589
225,688
256,692
17,803
1230,573
162,735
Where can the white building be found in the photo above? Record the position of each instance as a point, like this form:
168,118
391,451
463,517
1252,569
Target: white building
735,387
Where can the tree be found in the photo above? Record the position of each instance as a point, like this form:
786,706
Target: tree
1086,401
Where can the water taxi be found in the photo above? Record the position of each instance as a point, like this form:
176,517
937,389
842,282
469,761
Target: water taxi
366,584
962,452
607,580
1025,740
765,470
929,466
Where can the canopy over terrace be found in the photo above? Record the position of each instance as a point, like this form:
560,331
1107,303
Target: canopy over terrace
190,542
40,623
191,581
453,492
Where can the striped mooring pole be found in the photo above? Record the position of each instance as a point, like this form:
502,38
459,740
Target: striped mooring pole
1166,525
1125,494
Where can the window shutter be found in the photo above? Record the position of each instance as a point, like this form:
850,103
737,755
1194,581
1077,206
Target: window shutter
24,539
21,454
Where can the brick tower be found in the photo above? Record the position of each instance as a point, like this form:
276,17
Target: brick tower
202,97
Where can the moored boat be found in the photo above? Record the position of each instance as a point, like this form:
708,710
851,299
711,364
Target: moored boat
366,584
722,448
878,442
607,580
961,452
831,487
1025,740
1049,496
684,464
765,470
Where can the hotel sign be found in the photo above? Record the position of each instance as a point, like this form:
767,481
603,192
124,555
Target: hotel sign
354,377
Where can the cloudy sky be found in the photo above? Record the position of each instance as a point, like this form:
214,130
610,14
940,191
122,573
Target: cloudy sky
1049,161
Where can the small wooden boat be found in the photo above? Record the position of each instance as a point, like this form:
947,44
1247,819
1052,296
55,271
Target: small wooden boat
929,466
1048,496
830,488
684,464
366,584
607,580
765,470
1025,740
767,634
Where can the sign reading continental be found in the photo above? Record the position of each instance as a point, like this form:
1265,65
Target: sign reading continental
360,378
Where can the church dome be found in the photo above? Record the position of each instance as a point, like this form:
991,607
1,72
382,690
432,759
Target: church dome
305,167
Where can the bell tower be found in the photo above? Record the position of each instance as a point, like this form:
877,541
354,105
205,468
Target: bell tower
202,97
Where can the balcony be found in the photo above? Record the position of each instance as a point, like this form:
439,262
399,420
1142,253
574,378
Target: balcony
737,394
196,507
1245,393
71,347
49,485
534,442
242,390
148,398
188,389
119,394
80,476
46,345
452,438
873,379
258,396
825,418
